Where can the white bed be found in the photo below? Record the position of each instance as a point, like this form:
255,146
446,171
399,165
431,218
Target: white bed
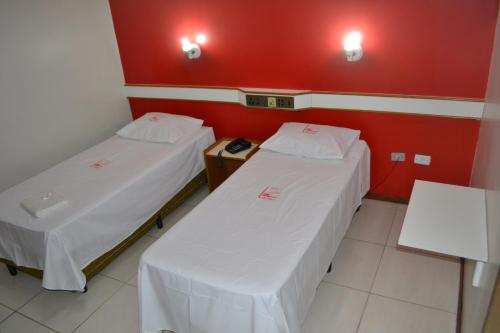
249,258
111,189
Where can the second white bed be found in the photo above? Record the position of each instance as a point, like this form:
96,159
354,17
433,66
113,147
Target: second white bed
248,258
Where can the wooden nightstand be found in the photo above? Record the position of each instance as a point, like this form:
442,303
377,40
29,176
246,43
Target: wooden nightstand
217,173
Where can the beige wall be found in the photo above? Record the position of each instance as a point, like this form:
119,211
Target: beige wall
486,174
60,83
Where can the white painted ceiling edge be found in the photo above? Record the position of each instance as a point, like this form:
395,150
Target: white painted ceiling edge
305,100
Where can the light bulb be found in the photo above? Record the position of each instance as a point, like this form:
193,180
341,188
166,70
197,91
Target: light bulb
201,39
186,44
352,41
187,47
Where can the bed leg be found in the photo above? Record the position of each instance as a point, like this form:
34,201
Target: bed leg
159,222
12,270
329,268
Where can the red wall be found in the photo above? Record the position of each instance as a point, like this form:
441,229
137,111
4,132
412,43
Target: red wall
412,47
451,142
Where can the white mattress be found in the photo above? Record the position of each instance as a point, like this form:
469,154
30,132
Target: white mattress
249,258
107,202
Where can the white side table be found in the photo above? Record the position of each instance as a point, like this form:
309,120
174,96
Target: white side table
447,219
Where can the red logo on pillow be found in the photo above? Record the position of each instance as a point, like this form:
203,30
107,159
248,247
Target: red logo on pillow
155,118
310,130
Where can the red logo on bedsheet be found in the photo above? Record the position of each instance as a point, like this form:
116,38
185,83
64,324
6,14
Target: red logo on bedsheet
100,164
270,193
155,118
310,130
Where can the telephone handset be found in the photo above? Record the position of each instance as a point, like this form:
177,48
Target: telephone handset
237,145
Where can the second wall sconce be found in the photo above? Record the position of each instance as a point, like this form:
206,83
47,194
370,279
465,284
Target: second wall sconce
352,46
193,50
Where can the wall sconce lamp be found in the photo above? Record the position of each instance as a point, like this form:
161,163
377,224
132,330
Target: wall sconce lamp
193,50
352,46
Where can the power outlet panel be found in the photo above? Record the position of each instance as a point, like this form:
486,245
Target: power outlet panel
274,102
398,157
422,159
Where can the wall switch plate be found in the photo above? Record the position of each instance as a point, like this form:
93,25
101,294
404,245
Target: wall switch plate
271,102
422,159
398,157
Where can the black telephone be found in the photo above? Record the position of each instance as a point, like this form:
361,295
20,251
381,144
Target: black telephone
237,145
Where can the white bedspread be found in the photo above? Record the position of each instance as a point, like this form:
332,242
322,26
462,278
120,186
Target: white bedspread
111,189
248,259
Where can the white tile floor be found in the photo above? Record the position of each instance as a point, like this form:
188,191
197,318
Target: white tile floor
372,288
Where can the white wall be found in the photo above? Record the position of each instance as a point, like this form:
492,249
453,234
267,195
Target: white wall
61,83
486,174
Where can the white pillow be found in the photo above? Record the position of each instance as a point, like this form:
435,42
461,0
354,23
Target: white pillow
160,127
309,140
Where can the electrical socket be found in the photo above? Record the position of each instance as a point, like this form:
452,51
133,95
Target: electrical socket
422,159
284,102
398,157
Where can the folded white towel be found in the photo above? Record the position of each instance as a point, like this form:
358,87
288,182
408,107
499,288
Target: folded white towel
43,204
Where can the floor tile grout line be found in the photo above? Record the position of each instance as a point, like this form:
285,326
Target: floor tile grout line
374,279
362,240
378,269
369,294
396,208
379,260
117,280
7,306
106,300
378,265
344,286
100,306
36,321
29,300
389,297
392,224
113,278
371,287
13,311
130,285
362,313
408,302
